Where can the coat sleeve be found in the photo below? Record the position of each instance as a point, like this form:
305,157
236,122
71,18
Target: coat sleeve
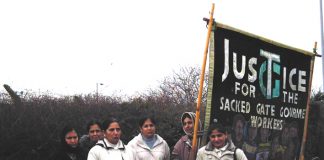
92,154
200,155
167,150
175,153
240,154
131,146
130,153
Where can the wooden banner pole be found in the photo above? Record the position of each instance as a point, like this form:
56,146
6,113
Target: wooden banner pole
202,75
302,150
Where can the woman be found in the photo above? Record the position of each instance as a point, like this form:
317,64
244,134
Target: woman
182,148
148,145
111,147
219,147
250,146
94,134
238,126
69,149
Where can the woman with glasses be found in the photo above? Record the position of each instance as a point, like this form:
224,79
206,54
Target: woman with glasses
148,145
219,147
111,147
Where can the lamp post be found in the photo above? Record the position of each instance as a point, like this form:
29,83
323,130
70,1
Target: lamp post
322,41
97,92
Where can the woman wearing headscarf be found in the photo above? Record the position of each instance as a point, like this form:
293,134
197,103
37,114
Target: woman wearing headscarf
69,149
182,148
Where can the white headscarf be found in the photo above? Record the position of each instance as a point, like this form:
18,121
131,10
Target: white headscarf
193,117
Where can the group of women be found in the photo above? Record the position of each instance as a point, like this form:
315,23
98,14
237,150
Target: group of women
147,145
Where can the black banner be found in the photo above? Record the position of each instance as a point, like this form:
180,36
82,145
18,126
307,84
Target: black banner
260,91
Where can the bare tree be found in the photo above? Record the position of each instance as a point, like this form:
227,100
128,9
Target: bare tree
317,95
181,87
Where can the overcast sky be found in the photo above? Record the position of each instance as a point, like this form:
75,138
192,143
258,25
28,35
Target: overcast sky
68,46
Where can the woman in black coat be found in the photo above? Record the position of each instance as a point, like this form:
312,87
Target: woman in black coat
69,149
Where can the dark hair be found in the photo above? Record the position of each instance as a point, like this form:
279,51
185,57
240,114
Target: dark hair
217,126
188,115
142,120
66,129
107,122
91,123
238,117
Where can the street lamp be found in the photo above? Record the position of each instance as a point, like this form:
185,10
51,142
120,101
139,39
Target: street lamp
97,92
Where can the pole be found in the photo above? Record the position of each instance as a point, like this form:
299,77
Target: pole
302,150
322,42
97,95
97,91
202,76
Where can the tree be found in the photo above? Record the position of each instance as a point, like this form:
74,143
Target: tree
181,87
317,96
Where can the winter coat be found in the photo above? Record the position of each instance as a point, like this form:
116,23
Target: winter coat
75,154
104,150
182,148
86,144
159,151
65,151
208,152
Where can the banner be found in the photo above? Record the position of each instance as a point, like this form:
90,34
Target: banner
258,89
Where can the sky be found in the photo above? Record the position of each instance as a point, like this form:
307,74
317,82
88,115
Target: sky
70,47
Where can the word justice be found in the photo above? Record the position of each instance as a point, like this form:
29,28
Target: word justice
292,79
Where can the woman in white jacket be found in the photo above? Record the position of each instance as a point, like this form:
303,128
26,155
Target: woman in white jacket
219,147
111,147
148,145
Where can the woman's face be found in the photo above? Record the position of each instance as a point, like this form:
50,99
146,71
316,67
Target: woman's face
71,138
113,133
95,132
218,139
148,129
188,125
239,130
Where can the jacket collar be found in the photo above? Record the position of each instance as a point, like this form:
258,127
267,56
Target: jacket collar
105,144
141,142
229,144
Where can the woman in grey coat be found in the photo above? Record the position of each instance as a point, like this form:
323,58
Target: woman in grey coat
182,148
